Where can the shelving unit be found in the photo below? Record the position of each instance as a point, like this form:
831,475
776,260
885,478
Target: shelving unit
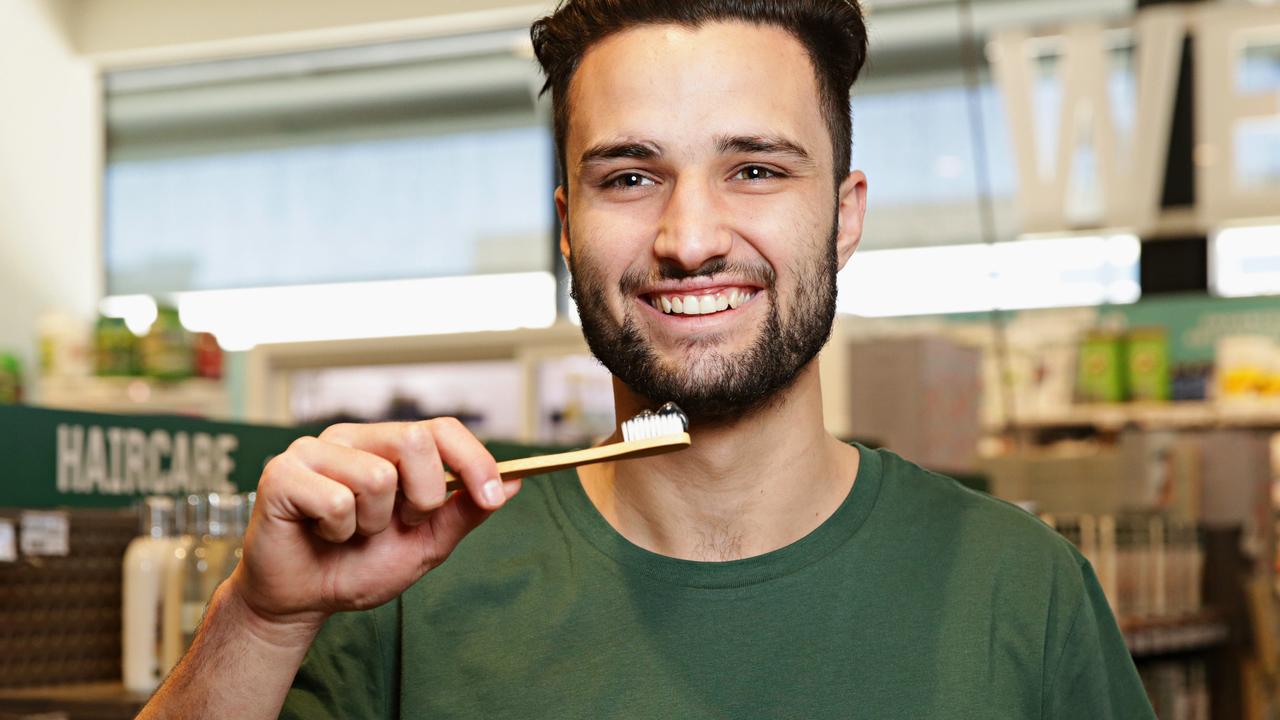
1151,637
271,367
1186,415
136,395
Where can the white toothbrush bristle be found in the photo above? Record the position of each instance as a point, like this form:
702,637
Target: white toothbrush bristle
645,425
651,426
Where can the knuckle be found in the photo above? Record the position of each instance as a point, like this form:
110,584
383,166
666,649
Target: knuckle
339,505
301,444
448,424
417,437
383,478
275,469
337,431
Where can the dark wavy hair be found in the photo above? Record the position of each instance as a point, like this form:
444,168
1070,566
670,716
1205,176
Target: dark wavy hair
832,31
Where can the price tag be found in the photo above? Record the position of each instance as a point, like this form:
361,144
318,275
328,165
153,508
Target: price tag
45,533
8,541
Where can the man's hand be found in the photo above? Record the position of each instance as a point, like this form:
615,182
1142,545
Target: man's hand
345,521
350,519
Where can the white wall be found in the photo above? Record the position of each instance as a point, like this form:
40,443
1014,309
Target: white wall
50,150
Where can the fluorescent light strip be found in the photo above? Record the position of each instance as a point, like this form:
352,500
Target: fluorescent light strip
138,311
1245,261
1044,272
241,319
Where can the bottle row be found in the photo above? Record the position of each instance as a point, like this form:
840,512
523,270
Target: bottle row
186,548
1149,565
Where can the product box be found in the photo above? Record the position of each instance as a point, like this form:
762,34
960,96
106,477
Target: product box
919,397
1085,480
1147,363
1101,372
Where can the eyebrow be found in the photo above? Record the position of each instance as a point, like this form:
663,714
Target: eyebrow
762,144
725,144
629,149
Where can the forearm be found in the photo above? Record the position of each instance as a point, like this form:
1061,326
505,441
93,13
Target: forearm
238,666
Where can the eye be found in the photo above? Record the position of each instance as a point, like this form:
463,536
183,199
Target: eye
627,180
755,172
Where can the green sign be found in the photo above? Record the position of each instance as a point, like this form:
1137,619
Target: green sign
57,458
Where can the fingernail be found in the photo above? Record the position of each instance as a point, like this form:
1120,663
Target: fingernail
492,492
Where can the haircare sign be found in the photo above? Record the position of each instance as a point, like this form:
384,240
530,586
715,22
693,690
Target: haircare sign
56,458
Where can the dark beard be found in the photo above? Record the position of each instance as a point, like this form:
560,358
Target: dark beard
731,385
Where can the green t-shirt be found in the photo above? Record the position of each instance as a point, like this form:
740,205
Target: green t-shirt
917,599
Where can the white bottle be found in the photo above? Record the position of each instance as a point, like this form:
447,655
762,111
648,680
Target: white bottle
145,563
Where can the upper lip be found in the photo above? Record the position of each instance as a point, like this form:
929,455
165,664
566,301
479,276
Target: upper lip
695,285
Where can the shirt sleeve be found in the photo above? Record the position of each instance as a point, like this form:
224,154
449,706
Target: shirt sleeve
350,670
1095,676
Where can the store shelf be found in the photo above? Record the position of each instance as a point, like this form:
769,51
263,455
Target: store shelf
1147,637
131,395
1170,415
103,700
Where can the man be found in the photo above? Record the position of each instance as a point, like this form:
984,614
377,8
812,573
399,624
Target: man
769,570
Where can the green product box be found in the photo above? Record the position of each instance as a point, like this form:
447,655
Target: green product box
1100,375
1148,365
167,350
115,348
10,379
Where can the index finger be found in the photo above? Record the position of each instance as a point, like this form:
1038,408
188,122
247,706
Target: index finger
417,449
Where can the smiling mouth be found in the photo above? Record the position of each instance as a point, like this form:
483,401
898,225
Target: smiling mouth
699,303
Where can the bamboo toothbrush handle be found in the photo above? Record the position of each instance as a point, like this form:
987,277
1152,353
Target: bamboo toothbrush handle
523,467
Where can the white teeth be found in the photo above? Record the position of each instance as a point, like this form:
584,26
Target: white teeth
701,304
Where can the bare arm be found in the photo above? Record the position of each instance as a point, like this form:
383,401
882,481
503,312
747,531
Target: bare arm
237,667
345,521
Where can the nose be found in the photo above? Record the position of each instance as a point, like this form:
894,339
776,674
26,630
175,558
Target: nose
692,231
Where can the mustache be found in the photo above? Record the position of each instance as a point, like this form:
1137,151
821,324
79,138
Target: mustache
634,280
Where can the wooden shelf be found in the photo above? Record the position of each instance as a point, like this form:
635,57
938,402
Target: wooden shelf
1170,415
136,396
106,700
1164,636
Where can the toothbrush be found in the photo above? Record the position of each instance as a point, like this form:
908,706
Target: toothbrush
648,433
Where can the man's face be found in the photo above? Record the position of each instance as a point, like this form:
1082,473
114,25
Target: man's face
702,224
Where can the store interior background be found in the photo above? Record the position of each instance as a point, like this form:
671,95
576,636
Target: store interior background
354,201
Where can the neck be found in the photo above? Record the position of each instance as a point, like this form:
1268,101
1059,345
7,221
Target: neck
744,487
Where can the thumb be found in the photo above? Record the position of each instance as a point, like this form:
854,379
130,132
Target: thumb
458,516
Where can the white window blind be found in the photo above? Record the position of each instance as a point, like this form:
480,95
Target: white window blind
408,160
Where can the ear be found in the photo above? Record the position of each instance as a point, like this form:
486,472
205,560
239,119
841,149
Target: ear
562,210
849,215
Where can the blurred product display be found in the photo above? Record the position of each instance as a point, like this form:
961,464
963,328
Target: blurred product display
115,348
10,379
1178,691
145,562
64,346
207,356
206,561
167,351
1149,566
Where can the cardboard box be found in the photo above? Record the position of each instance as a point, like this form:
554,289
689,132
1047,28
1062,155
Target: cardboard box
919,397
